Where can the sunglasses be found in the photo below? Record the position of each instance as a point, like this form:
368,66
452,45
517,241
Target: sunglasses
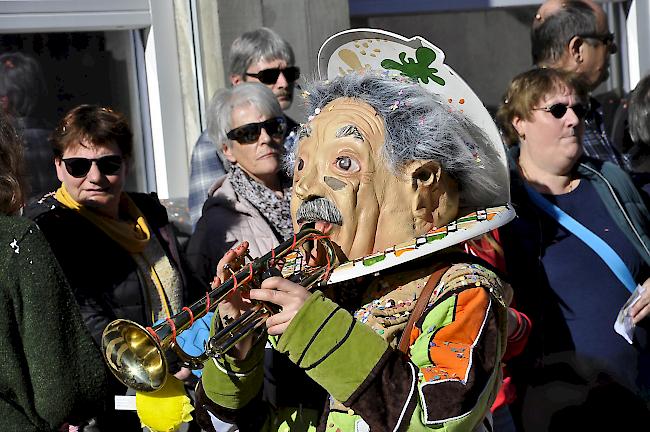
78,167
270,76
605,38
249,133
559,110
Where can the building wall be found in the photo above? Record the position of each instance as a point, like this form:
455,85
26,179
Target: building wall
486,48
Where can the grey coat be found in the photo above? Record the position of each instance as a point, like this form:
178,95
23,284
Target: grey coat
227,220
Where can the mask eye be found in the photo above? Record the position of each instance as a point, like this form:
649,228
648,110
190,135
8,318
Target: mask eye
347,164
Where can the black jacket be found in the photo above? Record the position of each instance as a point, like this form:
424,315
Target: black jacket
103,276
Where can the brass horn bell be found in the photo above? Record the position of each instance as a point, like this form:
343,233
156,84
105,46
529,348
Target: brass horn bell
136,355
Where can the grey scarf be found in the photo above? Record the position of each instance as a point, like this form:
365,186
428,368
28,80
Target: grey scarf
276,210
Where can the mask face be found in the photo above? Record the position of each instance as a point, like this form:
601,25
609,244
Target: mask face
342,183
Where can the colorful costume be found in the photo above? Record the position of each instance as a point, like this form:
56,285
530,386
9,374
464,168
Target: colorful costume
408,333
448,379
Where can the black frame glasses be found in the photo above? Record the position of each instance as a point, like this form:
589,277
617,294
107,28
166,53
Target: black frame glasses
559,110
605,38
250,133
78,167
270,76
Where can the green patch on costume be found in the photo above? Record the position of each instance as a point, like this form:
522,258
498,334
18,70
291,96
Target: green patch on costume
233,383
440,316
294,420
334,350
341,421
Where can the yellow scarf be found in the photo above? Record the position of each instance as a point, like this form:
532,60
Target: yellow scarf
133,235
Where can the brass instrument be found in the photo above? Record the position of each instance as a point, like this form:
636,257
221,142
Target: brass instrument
136,355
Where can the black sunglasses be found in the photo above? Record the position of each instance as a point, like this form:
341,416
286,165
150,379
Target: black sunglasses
270,76
78,167
605,38
249,133
559,110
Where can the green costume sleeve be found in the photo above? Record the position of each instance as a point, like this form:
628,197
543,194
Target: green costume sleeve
233,383
324,340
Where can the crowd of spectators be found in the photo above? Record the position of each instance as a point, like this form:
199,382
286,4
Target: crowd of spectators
78,251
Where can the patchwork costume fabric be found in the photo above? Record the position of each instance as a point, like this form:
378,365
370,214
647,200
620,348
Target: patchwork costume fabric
406,334
448,380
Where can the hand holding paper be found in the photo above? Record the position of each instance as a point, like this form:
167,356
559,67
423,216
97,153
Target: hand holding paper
634,309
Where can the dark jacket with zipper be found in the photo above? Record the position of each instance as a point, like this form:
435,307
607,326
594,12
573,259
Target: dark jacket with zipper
103,276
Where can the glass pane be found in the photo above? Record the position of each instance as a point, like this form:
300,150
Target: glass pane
77,68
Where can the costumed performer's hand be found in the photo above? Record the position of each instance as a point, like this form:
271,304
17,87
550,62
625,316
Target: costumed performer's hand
234,304
288,295
641,308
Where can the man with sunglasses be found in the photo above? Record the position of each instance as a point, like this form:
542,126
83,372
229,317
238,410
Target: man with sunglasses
256,56
574,36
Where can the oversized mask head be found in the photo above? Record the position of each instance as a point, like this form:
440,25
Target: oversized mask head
381,162
343,183
397,146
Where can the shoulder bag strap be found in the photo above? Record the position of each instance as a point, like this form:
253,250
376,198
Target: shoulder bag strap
604,251
420,305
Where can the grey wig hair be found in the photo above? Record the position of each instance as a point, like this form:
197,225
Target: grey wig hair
226,100
421,127
639,112
550,39
257,45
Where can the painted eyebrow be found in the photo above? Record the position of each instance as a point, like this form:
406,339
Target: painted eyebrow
304,132
350,130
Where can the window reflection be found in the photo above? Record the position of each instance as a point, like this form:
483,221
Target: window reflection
77,68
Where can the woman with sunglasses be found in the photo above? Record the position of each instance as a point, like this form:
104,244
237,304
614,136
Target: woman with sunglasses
116,249
577,250
251,202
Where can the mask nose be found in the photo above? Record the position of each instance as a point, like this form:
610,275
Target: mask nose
307,184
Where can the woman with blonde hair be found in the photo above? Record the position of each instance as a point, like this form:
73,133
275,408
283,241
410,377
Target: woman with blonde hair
575,254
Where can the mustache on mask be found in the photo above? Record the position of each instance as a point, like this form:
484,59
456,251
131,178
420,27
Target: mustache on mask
319,209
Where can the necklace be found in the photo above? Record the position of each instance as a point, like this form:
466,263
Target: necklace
572,184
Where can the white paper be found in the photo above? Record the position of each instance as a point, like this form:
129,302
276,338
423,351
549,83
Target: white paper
624,324
125,403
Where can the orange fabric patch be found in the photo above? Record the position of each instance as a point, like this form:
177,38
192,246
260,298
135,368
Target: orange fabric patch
450,349
415,333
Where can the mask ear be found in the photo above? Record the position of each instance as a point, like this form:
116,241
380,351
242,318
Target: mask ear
435,195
